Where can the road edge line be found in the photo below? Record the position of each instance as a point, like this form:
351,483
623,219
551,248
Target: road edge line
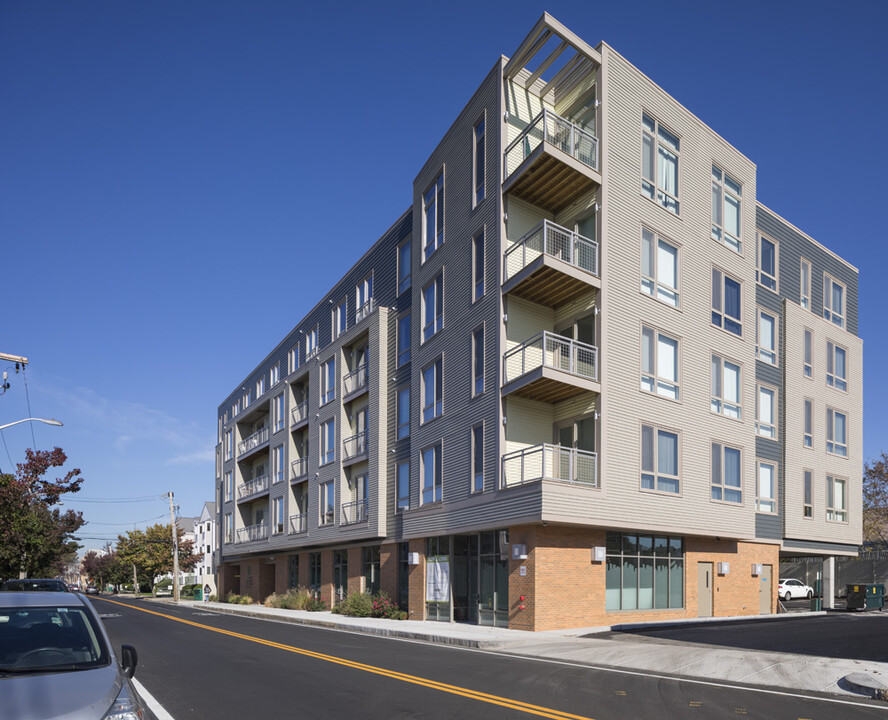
151,702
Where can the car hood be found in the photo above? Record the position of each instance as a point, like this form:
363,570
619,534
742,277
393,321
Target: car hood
79,695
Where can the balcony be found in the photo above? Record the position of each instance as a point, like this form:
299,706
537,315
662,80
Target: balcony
354,512
298,468
252,533
551,162
298,524
550,368
365,310
551,265
299,414
252,442
550,462
253,487
355,381
354,448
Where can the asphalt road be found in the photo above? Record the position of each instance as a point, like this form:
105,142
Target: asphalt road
201,665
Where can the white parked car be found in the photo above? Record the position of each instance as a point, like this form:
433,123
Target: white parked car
790,589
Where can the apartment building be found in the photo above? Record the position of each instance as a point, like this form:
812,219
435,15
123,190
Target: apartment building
205,536
585,378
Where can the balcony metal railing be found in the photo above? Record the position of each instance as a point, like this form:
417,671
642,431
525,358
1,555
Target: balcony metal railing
547,238
252,533
554,351
354,512
251,487
300,412
299,467
365,310
556,131
298,523
550,462
253,441
356,380
354,445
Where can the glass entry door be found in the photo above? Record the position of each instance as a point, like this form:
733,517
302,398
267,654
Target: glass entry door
465,578
493,608
573,435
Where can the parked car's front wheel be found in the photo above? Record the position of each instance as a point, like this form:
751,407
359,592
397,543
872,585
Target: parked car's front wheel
810,594
787,597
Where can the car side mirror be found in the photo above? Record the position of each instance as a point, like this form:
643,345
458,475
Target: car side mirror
129,658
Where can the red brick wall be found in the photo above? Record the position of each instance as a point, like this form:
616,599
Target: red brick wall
327,577
416,599
388,570
355,555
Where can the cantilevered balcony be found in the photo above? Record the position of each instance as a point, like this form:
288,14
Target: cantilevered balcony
550,462
299,414
551,162
252,533
355,382
253,487
298,524
551,265
253,442
298,468
354,512
354,448
550,368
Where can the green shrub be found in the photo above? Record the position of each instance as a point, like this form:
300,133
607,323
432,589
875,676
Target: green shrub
213,598
384,607
356,605
298,598
236,599
315,605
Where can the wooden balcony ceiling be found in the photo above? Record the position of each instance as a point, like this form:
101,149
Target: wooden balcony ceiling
547,286
548,391
551,184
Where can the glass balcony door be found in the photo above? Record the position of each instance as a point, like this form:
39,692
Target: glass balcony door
578,434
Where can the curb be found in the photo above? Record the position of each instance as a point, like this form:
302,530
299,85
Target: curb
865,685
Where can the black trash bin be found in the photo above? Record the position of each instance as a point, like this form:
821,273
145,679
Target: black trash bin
865,597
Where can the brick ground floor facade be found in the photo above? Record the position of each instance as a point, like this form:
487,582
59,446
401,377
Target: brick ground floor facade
532,577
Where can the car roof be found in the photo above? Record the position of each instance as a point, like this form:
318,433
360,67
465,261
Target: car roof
40,599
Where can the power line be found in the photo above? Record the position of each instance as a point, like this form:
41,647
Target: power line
145,498
133,522
7,449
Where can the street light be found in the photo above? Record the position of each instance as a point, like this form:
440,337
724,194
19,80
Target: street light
51,421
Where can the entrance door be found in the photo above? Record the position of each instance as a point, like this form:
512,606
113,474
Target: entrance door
465,578
704,589
576,359
493,608
765,590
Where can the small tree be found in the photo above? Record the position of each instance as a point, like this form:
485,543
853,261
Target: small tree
151,551
875,501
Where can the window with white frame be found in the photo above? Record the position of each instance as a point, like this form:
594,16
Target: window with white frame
809,353
836,499
833,301
726,473
727,196
326,503
229,485
766,337
478,361
433,218
727,302
478,169
659,163
403,339
478,265
836,366
402,472
340,318
659,460
432,391
766,487
274,375
403,412
327,441
726,388
433,307
235,408
659,363
245,400
478,458
808,494
277,458
766,412
328,380
809,423
363,298
229,444
836,432
805,285
280,418
404,269
260,387
229,527
277,514
766,271
659,268
293,360
431,474
311,342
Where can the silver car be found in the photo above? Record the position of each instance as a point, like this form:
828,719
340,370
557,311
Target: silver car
56,662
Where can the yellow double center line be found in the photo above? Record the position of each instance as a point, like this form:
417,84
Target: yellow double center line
434,685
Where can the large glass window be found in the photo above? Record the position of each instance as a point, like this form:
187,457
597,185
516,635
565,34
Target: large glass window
433,307
340,318
314,574
433,218
311,342
659,163
431,474
402,471
328,380
370,568
363,298
478,361
659,460
766,337
404,271
403,412
836,432
277,458
326,503
403,339
836,370
432,391
659,363
277,515
726,214
808,500
766,273
833,301
766,412
478,458
478,166
659,268
809,353
292,571
726,473
726,388
328,441
229,485
766,488
836,499
727,302
809,423
280,418
643,572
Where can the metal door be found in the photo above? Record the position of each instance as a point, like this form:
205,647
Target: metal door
765,590
704,589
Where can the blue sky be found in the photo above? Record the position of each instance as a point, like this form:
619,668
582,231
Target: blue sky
169,170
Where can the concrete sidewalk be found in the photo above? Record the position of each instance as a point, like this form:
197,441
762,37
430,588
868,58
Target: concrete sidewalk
602,648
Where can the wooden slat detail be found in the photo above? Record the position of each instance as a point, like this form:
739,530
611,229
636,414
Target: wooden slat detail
549,391
550,184
551,288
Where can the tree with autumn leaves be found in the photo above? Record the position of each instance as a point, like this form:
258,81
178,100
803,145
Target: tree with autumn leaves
875,501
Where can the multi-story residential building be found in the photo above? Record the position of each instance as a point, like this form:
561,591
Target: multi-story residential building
585,378
205,536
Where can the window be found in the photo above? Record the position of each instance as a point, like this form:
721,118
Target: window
328,441
643,572
311,342
805,285
766,412
809,423
293,360
229,444
478,362
726,392
766,488
478,265
433,218
726,473
403,412
314,574
766,272
433,307
478,169
328,380
659,460
293,571
277,515
229,527
766,337
836,500
229,485
277,457
260,387
403,267
431,474
245,401
278,408
403,474
836,432
833,301
726,201
432,391
403,339
370,568
340,318
326,503
235,407
659,268
363,298
273,375
727,302
659,363
478,458
836,366
659,164
809,353
807,502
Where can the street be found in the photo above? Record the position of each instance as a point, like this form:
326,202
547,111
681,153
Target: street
199,664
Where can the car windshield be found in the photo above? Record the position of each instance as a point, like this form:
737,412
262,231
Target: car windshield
49,639
34,586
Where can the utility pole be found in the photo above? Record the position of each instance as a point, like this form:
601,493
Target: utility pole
135,582
175,551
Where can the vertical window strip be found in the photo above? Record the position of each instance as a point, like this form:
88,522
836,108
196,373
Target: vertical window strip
808,498
726,209
805,285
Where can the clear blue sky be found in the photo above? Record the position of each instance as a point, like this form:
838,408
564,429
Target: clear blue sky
181,181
